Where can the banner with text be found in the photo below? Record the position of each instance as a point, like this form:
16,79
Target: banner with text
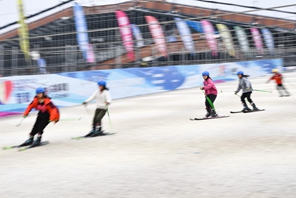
72,88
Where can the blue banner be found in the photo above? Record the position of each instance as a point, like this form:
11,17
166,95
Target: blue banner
268,38
72,88
81,29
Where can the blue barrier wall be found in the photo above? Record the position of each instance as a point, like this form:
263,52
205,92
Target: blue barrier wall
68,89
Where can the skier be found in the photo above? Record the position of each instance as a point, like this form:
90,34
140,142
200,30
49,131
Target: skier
48,112
279,81
103,98
246,87
210,92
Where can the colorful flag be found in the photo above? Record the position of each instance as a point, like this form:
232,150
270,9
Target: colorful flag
157,34
81,29
138,35
185,34
197,26
23,31
126,33
242,39
268,38
257,40
210,36
227,38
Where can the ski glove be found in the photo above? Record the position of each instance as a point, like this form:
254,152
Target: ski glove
84,103
202,88
25,116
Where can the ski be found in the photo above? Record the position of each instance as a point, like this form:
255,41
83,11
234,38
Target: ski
29,147
83,137
10,147
210,118
247,111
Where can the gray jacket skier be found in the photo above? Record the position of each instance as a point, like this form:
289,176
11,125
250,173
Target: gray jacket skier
246,87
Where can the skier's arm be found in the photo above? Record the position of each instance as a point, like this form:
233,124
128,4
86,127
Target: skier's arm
238,89
29,108
53,112
92,97
247,83
108,98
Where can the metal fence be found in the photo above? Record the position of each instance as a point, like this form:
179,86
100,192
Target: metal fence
56,43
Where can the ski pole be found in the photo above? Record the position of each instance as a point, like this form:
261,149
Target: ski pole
110,123
71,119
261,90
209,101
87,110
19,124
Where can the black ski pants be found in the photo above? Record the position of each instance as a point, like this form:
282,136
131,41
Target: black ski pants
281,88
212,97
41,122
248,96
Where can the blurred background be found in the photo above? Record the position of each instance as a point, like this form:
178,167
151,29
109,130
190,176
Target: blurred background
64,36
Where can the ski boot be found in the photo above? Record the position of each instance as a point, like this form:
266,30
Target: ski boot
254,107
37,142
28,142
98,131
90,133
246,108
213,113
208,113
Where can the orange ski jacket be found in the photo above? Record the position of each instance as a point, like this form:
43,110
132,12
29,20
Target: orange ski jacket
48,106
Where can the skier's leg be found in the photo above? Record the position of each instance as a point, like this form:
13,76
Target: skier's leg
284,88
251,101
40,128
213,97
208,108
93,124
243,97
33,132
279,88
98,121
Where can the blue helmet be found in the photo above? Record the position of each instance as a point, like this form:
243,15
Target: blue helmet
40,90
240,73
205,73
102,83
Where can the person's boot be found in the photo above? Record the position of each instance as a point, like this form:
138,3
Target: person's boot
98,131
28,142
246,108
213,113
90,133
254,107
37,142
208,113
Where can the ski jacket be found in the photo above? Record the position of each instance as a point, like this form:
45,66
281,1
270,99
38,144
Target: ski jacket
48,106
101,98
278,78
243,84
210,87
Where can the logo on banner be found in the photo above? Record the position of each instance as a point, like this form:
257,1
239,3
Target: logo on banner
6,88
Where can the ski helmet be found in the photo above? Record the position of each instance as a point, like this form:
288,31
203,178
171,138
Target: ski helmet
102,83
205,73
240,73
40,90
274,71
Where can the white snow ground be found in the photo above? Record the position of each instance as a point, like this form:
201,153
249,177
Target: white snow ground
157,152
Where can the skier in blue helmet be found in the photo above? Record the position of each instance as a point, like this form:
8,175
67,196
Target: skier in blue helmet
211,93
103,100
246,87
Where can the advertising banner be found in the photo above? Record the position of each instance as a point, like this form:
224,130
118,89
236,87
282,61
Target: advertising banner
185,35
210,36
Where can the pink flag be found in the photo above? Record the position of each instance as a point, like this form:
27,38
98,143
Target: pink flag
90,54
210,36
157,34
126,33
257,40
